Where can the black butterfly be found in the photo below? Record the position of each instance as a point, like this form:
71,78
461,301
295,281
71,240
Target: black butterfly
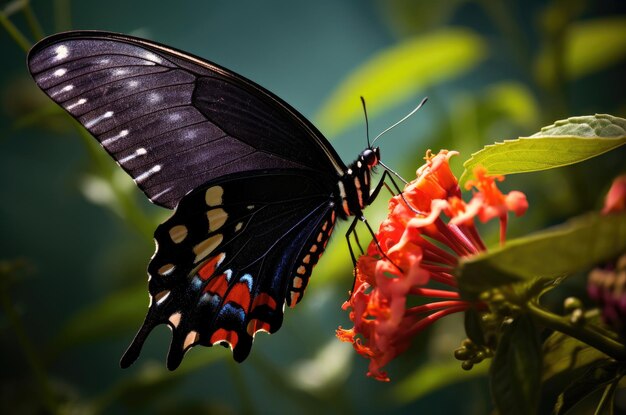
256,187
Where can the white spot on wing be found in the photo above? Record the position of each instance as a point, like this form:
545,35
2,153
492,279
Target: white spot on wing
154,98
119,135
143,176
152,57
60,72
61,52
96,120
161,193
175,117
120,72
133,83
139,152
76,104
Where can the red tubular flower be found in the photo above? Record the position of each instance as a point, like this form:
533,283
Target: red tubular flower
419,246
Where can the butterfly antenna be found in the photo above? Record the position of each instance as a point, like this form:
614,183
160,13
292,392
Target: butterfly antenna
402,120
367,125
384,166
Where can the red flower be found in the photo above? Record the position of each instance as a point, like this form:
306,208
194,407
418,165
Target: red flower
616,197
413,237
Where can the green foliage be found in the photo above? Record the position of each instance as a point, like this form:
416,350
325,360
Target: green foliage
550,254
563,143
399,72
516,368
573,370
590,46
434,376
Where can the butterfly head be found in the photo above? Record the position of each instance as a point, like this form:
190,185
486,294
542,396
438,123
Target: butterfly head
370,157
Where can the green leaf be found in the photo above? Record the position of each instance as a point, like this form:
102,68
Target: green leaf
590,46
516,368
573,370
598,377
565,142
398,73
431,377
576,245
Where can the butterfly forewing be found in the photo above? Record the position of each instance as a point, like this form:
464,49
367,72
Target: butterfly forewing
232,255
171,120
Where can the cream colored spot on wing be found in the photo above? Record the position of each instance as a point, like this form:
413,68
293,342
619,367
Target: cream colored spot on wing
213,195
166,269
175,319
178,233
239,226
216,218
191,338
204,248
161,296
297,282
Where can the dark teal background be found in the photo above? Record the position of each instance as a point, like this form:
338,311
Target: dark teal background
72,254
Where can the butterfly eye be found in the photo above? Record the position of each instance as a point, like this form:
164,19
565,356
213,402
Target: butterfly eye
370,157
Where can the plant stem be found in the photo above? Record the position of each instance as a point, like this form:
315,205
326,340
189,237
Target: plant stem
33,22
14,32
586,335
62,15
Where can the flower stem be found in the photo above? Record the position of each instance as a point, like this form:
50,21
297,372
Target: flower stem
434,293
428,320
586,335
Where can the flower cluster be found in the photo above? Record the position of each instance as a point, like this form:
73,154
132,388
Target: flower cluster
420,246
607,285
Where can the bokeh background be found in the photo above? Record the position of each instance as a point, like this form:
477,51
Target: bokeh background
75,235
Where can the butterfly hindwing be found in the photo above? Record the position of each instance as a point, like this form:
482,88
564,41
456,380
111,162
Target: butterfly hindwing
235,251
171,120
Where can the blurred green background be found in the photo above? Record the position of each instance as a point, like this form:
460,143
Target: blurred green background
75,235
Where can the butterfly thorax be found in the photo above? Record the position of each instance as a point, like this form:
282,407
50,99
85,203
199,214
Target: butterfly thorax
353,188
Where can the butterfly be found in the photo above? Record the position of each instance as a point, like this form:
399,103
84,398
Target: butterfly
256,189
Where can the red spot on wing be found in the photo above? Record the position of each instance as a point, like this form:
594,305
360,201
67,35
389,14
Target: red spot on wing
255,325
240,295
223,335
218,285
208,269
263,299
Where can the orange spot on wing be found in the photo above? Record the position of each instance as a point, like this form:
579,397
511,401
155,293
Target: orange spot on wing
208,269
223,335
295,297
257,325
